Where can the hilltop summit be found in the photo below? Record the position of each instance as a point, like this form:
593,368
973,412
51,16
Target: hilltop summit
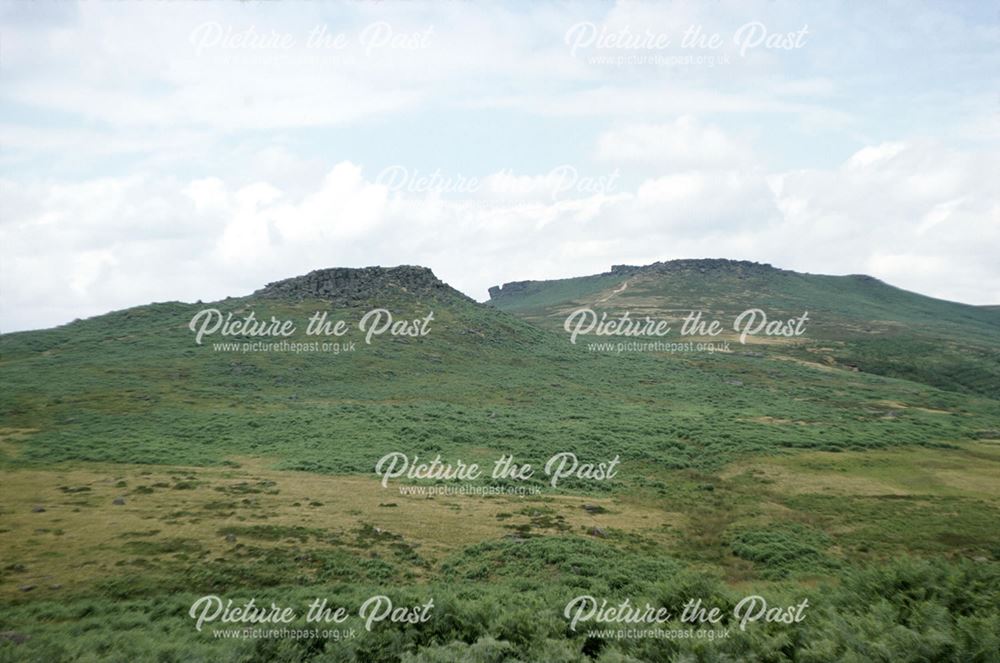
346,284
702,265
858,321
737,268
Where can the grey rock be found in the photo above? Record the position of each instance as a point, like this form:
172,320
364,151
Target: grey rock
14,636
512,288
343,285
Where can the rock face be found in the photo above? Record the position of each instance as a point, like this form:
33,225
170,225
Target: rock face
344,285
741,268
512,288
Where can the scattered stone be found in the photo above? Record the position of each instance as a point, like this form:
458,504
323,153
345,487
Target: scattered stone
14,636
594,508
231,538
26,588
598,532
735,383
118,501
55,586
38,509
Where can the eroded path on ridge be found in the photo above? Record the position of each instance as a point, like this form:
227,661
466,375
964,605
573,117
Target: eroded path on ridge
613,293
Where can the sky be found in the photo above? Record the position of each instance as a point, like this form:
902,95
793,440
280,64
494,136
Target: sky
160,151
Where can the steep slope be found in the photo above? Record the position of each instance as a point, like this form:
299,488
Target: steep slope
136,386
855,322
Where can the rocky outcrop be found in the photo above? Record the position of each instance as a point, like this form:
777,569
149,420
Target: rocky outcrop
345,284
512,288
740,268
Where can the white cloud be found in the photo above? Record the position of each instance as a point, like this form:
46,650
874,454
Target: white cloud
885,211
140,165
682,144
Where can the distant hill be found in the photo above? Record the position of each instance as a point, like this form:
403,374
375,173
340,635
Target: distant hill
134,386
854,321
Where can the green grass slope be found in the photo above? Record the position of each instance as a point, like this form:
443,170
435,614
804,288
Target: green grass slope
133,386
854,321
142,470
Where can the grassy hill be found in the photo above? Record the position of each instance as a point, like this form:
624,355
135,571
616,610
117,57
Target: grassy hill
251,473
854,321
